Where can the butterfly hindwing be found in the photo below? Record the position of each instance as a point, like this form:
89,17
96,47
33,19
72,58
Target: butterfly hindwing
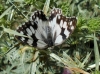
61,26
24,29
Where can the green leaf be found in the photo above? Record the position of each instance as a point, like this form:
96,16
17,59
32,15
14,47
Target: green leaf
96,52
5,12
13,32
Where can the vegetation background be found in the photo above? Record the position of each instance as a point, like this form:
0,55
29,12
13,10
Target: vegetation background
77,55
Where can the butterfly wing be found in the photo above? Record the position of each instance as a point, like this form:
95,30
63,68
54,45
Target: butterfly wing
36,29
43,33
61,26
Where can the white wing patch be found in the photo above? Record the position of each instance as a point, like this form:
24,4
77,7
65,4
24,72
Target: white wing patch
30,42
29,31
32,29
64,25
72,27
61,23
22,39
67,33
58,40
41,44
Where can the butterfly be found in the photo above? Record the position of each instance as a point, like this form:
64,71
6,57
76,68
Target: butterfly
45,31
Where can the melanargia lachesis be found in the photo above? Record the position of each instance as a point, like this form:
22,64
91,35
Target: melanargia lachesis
46,32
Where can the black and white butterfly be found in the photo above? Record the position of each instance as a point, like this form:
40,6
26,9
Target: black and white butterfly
46,32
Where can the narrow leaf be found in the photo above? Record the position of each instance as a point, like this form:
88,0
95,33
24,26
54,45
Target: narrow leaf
5,12
13,32
96,52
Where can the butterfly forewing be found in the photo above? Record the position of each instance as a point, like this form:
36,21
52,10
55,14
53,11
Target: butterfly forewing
43,32
61,26
36,29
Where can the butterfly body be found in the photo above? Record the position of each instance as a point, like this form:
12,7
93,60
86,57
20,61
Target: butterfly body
45,32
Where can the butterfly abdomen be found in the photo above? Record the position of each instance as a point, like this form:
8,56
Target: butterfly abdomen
49,36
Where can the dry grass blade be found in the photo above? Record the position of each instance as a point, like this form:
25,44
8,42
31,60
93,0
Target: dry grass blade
46,7
78,70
